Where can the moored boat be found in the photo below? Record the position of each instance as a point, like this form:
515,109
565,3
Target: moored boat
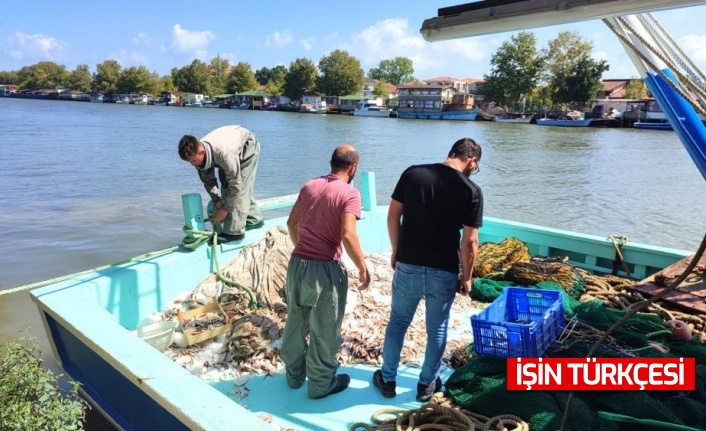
653,125
370,108
435,102
568,122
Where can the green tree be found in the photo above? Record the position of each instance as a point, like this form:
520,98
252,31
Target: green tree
166,83
80,78
241,78
219,75
515,70
396,71
341,74
578,83
106,77
563,51
301,79
45,74
136,80
374,73
381,89
194,78
9,77
636,89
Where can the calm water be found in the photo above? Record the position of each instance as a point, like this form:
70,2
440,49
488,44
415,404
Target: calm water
85,184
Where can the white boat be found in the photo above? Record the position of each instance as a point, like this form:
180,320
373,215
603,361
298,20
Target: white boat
98,98
124,100
370,108
318,107
142,100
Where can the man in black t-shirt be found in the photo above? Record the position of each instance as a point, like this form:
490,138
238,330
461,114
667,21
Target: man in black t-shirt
430,206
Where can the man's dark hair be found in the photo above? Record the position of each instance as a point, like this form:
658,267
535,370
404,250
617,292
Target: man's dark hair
343,158
464,149
188,146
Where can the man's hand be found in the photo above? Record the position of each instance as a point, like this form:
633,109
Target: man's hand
219,204
364,278
464,287
219,216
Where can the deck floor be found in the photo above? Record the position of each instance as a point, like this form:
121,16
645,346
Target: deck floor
293,409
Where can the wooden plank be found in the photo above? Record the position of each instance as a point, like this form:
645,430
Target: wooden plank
689,296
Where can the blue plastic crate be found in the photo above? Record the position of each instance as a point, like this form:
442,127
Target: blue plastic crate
521,323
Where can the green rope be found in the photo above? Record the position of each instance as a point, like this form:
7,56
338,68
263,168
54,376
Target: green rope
201,238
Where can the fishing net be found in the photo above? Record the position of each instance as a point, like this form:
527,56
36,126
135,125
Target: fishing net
497,258
479,385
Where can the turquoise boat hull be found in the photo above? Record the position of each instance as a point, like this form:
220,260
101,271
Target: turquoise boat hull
88,319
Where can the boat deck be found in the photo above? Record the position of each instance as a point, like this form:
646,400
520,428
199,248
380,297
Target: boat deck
270,397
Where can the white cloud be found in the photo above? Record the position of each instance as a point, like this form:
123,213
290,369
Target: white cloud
22,45
130,58
279,39
307,43
142,39
392,38
191,42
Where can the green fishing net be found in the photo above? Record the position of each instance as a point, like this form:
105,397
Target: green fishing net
480,385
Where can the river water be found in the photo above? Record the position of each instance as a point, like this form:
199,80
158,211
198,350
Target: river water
86,184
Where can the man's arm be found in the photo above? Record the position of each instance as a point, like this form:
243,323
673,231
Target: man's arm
295,217
469,252
394,217
349,235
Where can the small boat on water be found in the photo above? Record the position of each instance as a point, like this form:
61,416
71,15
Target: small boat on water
653,125
435,102
370,108
566,122
318,107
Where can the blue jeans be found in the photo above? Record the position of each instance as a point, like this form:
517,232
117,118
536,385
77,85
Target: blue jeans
410,284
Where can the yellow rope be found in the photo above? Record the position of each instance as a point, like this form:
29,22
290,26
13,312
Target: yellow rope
439,414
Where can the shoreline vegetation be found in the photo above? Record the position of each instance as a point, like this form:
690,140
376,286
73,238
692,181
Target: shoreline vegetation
521,77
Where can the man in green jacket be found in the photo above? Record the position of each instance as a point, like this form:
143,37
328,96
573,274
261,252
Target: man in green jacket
234,150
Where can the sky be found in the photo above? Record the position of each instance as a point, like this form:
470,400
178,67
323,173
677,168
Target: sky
163,35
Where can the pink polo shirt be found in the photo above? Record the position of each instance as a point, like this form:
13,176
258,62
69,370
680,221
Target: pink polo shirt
324,201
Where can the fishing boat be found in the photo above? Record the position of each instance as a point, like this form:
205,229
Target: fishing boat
653,125
139,388
564,122
89,317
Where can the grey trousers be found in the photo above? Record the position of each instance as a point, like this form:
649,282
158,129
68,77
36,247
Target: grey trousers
246,211
316,301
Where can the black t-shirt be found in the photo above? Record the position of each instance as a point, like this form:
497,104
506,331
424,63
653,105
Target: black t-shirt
437,202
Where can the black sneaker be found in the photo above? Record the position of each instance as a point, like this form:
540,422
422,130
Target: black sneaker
340,382
424,393
226,237
255,225
386,388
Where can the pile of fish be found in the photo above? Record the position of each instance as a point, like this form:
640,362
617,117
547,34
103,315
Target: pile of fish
253,345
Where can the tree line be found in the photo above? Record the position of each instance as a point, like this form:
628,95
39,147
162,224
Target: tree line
338,73
563,72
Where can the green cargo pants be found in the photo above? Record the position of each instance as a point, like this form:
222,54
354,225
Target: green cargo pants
316,301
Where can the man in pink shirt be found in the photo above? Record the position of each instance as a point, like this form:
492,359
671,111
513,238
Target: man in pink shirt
321,221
